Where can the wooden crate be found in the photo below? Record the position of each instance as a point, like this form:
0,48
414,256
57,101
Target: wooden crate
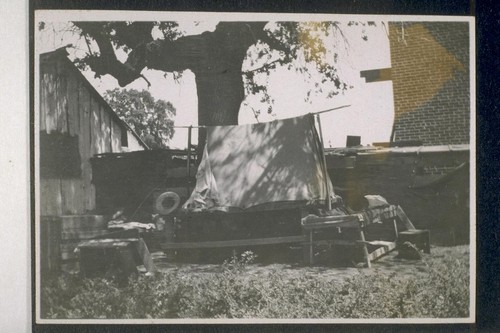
419,238
76,228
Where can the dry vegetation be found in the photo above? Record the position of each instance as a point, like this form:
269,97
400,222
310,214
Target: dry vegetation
436,287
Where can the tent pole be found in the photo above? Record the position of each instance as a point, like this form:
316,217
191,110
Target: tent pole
328,199
333,109
189,156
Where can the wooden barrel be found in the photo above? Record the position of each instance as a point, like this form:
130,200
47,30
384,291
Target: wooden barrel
50,239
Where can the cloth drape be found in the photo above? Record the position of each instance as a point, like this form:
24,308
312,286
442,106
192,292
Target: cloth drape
261,165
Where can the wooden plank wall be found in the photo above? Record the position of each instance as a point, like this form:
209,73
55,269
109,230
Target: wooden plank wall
67,106
116,139
133,143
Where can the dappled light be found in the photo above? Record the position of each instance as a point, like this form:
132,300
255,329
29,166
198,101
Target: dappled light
272,162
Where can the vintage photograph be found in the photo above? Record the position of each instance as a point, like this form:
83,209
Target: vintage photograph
236,167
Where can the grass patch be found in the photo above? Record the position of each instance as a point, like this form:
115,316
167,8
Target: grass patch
439,289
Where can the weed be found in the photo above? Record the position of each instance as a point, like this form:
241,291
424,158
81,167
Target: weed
439,290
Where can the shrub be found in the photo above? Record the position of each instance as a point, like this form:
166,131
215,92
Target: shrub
440,291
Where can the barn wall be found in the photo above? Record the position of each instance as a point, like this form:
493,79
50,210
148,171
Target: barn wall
133,143
69,107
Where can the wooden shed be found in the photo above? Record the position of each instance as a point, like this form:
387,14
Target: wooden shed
75,123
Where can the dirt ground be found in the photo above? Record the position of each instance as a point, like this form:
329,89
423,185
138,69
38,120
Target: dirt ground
294,268
334,272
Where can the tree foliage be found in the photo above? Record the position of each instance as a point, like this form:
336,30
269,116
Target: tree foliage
230,62
151,119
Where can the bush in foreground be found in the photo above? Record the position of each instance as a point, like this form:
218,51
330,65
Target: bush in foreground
441,291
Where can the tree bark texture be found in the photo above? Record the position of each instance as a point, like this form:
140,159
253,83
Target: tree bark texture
214,57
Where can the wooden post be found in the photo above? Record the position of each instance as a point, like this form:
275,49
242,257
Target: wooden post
307,247
395,228
190,128
365,248
50,240
311,248
328,199
169,233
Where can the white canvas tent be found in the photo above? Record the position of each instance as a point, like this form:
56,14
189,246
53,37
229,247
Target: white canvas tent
261,166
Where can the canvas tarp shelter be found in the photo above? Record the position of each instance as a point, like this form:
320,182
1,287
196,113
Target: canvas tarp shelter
261,166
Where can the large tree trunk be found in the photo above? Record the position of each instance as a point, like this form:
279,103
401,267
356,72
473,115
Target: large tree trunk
219,80
219,97
214,57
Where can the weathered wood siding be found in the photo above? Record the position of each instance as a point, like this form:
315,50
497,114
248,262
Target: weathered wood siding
133,143
68,105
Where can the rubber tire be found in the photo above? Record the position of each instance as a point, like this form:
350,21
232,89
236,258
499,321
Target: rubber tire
161,209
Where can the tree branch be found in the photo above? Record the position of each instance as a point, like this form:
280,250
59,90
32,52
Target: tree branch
273,43
265,67
201,53
107,63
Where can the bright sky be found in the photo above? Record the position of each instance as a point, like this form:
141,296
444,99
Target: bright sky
371,110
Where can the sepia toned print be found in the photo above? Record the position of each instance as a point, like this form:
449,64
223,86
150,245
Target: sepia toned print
209,168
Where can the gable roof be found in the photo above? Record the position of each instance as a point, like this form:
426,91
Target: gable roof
62,55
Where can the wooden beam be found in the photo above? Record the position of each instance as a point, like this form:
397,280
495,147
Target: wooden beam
406,221
233,243
323,165
365,249
330,225
311,248
376,243
83,234
343,221
107,243
381,251
332,109
340,242
340,218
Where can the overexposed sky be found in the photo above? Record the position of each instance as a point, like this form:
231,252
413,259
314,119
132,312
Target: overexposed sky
371,110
